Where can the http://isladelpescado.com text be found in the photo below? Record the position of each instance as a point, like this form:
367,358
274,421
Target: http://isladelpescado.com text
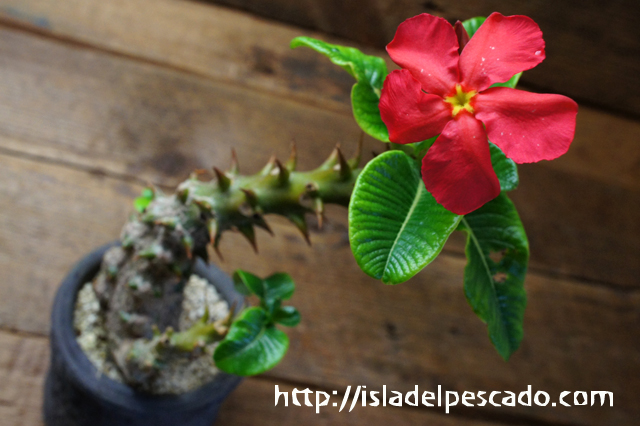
361,396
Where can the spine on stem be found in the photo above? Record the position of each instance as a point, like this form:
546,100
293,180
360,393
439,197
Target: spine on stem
140,283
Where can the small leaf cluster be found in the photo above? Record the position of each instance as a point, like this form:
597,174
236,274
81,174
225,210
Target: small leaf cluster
141,203
253,344
396,227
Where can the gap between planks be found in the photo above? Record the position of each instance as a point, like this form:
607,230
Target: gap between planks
128,105
448,250
33,30
320,352
195,55
199,60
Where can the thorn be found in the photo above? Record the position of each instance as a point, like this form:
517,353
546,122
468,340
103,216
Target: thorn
293,158
223,325
332,160
214,237
342,167
212,227
250,234
319,209
355,161
234,169
203,204
169,222
261,223
183,195
282,173
301,224
187,242
223,180
150,252
251,197
216,248
269,166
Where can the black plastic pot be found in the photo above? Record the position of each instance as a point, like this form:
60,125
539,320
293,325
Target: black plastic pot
77,395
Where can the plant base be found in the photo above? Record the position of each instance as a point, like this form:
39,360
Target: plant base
76,394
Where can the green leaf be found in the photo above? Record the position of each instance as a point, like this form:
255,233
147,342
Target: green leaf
512,82
396,227
279,286
497,257
417,150
369,72
141,203
287,315
367,113
505,168
246,283
252,345
472,25
270,290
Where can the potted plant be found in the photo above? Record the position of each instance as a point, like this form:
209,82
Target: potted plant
439,174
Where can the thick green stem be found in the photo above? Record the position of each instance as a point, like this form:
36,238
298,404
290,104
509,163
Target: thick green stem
240,202
141,283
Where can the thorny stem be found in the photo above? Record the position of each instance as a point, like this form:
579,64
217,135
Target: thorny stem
140,283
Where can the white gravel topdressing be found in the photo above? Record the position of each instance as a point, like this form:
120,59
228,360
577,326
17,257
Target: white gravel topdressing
179,377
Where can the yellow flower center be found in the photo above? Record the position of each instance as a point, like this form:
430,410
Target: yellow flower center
461,100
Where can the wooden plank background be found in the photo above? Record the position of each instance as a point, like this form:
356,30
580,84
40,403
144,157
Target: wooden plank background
99,97
593,51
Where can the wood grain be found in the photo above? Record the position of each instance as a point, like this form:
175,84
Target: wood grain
422,332
23,364
24,361
205,40
226,45
50,216
355,331
104,96
119,116
593,52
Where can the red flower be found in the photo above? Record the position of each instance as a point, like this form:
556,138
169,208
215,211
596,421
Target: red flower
442,91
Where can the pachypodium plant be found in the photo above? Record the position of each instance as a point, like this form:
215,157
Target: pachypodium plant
140,283
454,92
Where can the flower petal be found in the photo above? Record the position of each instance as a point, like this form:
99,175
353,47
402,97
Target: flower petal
528,127
457,169
502,47
427,46
410,114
